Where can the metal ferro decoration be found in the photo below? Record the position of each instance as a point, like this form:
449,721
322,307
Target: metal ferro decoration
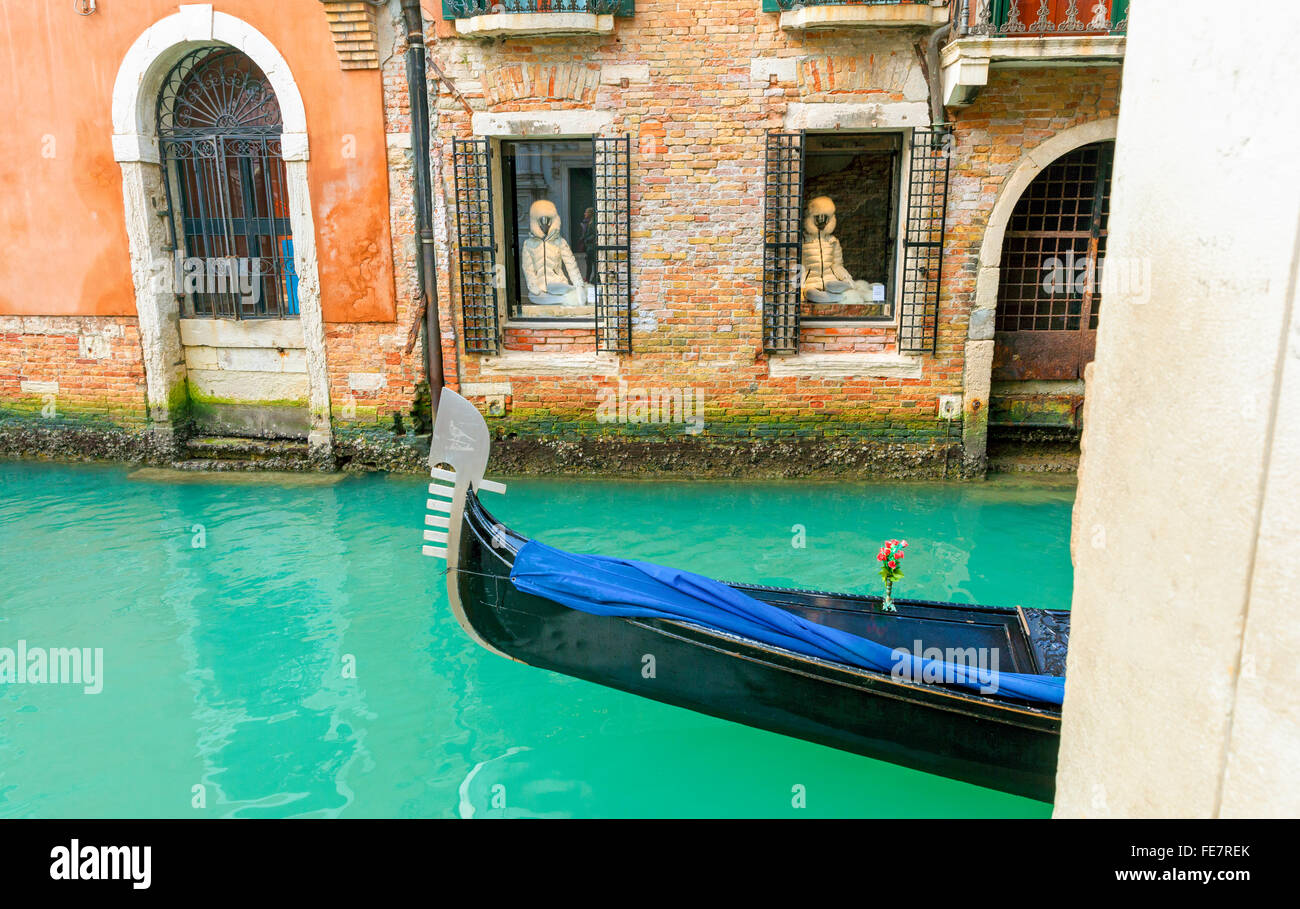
464,9
1012,18
219,132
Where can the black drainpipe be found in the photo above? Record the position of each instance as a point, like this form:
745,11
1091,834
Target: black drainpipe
933,73
418,92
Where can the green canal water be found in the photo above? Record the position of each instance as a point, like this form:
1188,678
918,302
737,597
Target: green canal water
231,611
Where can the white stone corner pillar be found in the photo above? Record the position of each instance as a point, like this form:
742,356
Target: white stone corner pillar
1183,689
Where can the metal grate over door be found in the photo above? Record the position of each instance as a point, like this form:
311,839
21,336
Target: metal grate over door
782,249
613,185
219,130
476,245
1049,292
923,237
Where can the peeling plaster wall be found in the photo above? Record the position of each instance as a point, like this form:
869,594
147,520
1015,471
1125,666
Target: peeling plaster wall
62,212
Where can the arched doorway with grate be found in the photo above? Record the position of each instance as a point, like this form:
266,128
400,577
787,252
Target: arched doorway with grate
210,132
220,136
219,129
1049,293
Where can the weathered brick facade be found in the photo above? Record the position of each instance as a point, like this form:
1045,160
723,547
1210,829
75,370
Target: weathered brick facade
698,124
697,89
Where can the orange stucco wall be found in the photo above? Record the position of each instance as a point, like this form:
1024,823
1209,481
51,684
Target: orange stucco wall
63,244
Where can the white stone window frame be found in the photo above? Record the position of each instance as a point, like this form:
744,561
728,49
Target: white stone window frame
522,127
136,89
860,117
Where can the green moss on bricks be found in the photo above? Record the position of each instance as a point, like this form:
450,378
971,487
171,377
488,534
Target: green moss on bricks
199,400
357,416
803,426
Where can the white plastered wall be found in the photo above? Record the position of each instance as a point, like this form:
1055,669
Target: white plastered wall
1183,690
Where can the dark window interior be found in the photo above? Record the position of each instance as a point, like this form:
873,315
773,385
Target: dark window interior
860,172
560,170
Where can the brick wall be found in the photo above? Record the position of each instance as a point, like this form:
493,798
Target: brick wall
70,366
698,127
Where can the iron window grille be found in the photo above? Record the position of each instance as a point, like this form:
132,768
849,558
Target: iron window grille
481,277
219,130
477,245
1043,18
923,239
782,243
613,184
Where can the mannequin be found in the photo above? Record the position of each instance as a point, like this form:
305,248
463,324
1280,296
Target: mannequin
825,279
550,269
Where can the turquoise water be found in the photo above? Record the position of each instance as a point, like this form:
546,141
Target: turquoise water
276,647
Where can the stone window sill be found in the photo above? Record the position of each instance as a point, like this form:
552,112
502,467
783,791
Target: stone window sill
915,15
846,365
531,363
560,314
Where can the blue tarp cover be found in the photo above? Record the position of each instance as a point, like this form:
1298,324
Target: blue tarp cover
602,585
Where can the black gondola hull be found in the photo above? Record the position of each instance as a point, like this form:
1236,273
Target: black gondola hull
985,740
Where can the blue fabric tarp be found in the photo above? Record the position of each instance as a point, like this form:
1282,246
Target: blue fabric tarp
602,585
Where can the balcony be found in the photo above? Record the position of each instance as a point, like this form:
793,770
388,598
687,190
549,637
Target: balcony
496,18
1029,33
811,15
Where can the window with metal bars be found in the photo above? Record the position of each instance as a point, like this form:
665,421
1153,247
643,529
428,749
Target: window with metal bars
782,256
923,238
613,236
791,183
578,266
477,245
219,130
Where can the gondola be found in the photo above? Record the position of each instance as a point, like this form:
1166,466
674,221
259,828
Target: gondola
999,739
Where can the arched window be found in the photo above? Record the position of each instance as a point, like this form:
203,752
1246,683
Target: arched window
219,128
1049,293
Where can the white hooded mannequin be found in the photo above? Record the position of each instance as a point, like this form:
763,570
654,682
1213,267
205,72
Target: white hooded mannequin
549,267
825,279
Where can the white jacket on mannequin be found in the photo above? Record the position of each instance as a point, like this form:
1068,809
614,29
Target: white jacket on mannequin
550,270
823,259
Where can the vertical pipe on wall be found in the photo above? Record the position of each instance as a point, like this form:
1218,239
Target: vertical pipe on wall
418,92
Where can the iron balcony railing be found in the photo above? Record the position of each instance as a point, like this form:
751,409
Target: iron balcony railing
796,4
465,9
1043,18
